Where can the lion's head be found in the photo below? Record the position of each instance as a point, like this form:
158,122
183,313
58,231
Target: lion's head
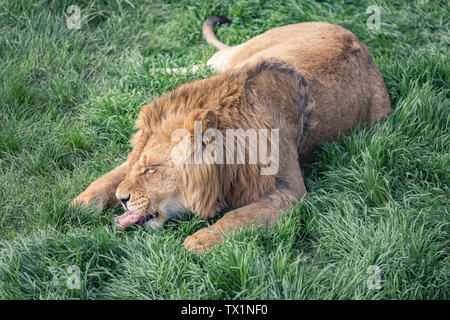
161,183
164,180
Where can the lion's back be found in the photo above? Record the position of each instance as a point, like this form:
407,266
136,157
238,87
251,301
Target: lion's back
346,86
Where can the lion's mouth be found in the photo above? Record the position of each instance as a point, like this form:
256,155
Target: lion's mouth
130,217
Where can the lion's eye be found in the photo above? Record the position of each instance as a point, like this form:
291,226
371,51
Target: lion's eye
150,169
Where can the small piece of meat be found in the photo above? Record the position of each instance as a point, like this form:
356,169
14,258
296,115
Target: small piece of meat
127,219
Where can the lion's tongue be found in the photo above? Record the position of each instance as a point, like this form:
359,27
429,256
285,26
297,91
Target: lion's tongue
127,219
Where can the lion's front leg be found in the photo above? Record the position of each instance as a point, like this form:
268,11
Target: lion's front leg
102,191
264,212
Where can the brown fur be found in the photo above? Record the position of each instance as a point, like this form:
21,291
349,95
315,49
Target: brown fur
312,81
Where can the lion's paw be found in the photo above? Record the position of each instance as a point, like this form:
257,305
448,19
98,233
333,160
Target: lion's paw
86,199
202,240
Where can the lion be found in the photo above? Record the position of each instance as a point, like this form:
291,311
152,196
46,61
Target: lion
308,82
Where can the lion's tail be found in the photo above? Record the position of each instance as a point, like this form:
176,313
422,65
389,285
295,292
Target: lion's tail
208,31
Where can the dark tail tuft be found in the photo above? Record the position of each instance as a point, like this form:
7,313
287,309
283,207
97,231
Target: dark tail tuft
208,30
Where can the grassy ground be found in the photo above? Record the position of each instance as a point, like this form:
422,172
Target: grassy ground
68,100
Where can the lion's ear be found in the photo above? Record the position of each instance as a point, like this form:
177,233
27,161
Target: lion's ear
206,118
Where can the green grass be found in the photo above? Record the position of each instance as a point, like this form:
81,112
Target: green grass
68,101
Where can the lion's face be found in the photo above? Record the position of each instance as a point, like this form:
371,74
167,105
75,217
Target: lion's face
161,183
151,191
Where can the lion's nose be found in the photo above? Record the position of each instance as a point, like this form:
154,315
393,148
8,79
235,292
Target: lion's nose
124,200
